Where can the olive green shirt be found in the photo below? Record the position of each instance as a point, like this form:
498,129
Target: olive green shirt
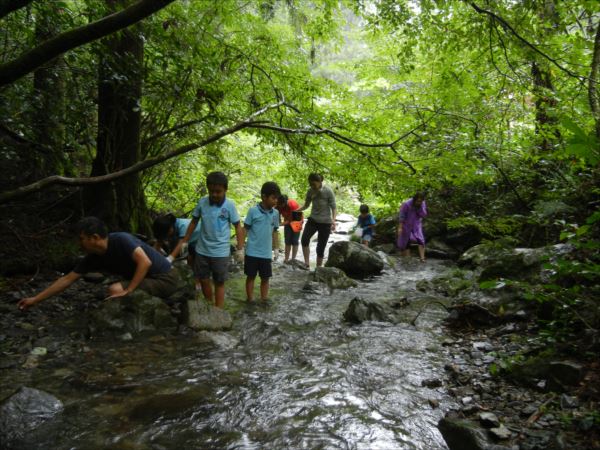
323,202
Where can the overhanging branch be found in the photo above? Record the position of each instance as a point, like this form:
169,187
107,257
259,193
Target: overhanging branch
50,49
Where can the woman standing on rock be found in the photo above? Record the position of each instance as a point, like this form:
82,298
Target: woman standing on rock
321,219
410,226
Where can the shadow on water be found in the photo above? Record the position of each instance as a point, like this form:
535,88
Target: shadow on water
292,374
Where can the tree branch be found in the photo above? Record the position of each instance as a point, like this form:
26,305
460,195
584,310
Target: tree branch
137,167
525,41
8,6
38,56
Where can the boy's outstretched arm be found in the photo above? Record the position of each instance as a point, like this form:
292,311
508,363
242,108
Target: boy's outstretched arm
55,288
188,234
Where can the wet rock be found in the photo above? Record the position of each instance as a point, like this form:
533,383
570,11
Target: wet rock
334,278
566,372
489,420
568,402
200,315
436,248
94,277
468,314
388,249
223,341
134,313
23,412
354,259
461,434
543,372
360,310
434,403
500,433
431,382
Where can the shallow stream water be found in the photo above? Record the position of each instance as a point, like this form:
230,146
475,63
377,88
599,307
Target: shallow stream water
291,374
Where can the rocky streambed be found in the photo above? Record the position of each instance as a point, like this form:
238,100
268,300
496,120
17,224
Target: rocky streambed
398,360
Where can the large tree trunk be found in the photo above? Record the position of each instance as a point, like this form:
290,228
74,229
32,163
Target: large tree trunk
543,89
49,105
120,203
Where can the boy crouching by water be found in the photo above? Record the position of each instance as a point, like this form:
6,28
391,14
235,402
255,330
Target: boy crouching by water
261,226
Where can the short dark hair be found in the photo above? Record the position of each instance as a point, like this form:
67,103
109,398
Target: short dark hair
282,199
419,195
218,178
315,177
91,225
364,209
162,225
270,188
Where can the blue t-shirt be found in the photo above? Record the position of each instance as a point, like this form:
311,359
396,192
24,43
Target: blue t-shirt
181,226
215,232
261,223
364,223
118,258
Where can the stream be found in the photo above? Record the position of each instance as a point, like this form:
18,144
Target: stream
291,374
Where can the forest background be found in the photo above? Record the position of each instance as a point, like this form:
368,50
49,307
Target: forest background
119,109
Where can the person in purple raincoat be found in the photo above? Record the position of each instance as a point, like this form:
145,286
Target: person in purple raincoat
410,227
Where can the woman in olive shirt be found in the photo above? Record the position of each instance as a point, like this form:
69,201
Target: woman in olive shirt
321,219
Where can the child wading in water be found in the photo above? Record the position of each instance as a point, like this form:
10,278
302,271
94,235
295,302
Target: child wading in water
366,223
261,225
213,249
410,226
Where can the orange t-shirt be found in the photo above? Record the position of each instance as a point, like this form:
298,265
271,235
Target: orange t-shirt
286,211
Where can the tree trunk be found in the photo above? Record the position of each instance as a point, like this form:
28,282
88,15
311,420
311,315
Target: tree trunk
49,105
543,88
120,203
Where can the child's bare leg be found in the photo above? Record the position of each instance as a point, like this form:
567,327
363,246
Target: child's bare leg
264,289
250,288
422,252
220,295
287,252
207,289
319,261
405,252
294,251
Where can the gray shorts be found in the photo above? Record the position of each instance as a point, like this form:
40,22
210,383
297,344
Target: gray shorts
204,266
161,285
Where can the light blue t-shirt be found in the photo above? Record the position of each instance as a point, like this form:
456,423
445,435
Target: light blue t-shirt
215,231
181,226
260,224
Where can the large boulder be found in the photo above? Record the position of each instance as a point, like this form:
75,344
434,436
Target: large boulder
334,278
202,316
23,412
354,259
135,313
497,260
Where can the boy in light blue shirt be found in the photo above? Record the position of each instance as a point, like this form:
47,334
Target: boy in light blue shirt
262,226
213,249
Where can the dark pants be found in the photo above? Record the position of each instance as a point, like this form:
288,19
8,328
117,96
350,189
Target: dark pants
312,227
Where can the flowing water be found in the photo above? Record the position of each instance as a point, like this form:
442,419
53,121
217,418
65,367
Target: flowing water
291,374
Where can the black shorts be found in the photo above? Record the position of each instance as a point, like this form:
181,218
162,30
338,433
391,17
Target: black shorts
254,265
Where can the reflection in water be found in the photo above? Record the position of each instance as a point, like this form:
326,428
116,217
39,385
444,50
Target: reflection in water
292,374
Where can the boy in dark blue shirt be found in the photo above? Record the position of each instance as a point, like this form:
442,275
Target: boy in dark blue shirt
365,223
118,253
